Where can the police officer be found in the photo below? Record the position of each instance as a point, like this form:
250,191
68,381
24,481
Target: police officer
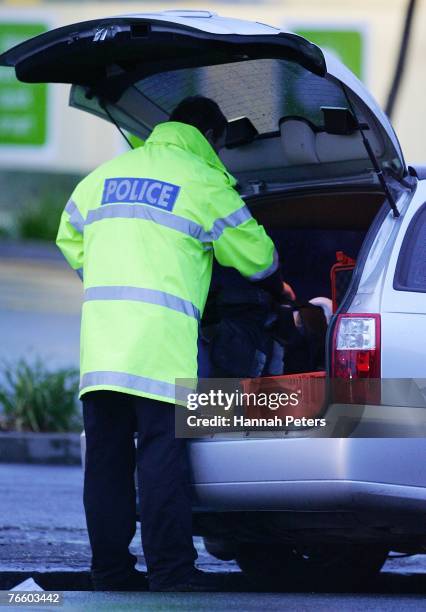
142,230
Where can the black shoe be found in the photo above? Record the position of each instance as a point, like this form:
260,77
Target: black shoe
135,581
197,581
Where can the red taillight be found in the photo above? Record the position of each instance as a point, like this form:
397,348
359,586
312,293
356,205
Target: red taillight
356,357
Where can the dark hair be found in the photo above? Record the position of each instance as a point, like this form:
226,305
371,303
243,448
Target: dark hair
202,113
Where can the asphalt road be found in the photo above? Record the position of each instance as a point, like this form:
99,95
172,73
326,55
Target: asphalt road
39,311
43,535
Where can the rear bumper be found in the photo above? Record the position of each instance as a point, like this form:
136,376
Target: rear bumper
310,475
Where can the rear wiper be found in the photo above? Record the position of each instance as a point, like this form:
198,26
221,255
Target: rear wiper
378,171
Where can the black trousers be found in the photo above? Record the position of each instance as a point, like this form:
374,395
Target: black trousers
110,421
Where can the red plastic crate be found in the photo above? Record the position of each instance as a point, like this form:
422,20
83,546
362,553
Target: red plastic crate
310,388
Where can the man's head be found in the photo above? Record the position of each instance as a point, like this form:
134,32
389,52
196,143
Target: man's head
205,115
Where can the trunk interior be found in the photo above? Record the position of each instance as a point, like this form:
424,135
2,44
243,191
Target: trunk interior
308,230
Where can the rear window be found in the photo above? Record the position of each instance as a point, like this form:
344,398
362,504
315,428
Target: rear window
264,90
411,267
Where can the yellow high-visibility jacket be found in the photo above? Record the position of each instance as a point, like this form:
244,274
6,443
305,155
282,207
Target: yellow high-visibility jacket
142,230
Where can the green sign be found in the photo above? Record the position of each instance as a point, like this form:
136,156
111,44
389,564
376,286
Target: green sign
23,107
347,44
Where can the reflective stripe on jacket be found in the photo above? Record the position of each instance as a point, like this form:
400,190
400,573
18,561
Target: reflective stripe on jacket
141,230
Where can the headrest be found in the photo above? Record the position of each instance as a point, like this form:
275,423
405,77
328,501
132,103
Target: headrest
298,141
302,144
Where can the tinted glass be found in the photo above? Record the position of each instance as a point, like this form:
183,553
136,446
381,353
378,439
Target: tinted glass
411,268
263,90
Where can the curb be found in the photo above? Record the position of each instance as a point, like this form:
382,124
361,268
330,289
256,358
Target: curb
40,448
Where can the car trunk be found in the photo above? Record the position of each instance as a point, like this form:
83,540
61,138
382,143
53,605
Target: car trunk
309,229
